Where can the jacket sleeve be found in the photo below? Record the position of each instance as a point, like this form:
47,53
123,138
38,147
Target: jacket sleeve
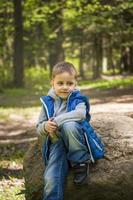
41,122
75,115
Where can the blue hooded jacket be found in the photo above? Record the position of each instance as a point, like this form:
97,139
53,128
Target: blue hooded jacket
94,143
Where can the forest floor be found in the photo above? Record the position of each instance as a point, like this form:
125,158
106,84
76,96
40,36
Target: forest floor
19,126
17,131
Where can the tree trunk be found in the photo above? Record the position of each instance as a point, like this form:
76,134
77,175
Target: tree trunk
56,51
110,59
131,60
18,59
105,59
124,60
55,44
81,56
98,56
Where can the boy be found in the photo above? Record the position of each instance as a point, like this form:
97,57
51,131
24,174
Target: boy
61,123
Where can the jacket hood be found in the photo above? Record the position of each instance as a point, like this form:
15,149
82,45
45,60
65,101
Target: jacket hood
52,94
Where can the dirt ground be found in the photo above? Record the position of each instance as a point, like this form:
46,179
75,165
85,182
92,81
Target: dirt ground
18,130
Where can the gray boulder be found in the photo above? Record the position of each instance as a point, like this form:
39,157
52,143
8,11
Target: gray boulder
111,178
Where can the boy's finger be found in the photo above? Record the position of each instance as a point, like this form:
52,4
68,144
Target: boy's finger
53,127
52,123
51,120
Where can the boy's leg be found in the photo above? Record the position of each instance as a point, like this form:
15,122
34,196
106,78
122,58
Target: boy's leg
73,136
55,172
77,151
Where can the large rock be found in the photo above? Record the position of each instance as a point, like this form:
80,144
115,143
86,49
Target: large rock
111,177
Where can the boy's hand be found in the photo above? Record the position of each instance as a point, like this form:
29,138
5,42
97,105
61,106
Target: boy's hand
51,127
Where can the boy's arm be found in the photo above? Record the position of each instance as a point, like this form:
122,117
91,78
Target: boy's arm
75,115
41,122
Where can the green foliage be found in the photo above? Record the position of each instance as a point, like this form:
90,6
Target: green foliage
22,98
10,191
25,111
36,84
108,84
81,24
11,187
15,159
37,78
37,81
5,77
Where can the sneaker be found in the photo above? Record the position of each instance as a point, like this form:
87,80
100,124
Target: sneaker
81,173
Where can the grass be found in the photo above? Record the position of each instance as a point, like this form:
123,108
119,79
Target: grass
15,159
18,97
9,191
37,84
25,113
108,84
11,186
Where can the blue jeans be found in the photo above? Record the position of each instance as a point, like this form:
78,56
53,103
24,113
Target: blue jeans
71,147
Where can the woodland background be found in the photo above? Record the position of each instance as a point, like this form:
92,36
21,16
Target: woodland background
95,35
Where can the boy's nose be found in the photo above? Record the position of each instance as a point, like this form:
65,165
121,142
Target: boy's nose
65,86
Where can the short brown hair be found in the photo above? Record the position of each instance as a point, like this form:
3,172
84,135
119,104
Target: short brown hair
64,67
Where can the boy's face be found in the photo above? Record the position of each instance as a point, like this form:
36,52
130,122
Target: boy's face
63,84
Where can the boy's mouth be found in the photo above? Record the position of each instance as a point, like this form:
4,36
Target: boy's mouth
65,92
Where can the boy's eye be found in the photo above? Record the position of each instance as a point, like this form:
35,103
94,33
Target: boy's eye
70,83
60,83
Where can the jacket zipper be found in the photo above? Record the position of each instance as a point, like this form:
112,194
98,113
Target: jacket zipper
84,134
97,144
68,101
89,148
45,108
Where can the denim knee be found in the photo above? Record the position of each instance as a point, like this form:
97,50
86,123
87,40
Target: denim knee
73,137
70,126
72,131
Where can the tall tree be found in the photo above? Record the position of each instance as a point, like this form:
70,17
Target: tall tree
18,58
97,56
6,33
131,60
55,41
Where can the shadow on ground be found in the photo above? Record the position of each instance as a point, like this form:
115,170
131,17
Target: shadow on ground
7,173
